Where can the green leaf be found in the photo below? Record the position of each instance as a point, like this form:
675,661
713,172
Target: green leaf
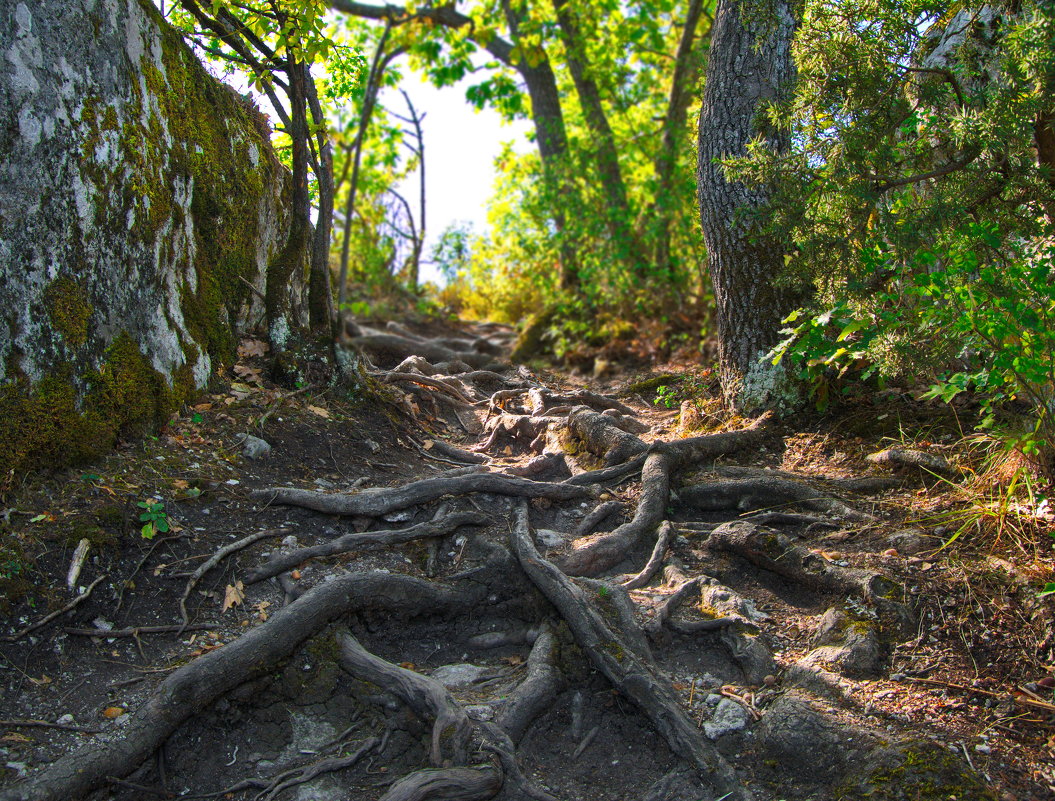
148,531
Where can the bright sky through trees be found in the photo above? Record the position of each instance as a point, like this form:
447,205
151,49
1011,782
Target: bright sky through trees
461,145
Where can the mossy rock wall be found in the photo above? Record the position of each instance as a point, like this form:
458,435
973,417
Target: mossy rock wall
140,200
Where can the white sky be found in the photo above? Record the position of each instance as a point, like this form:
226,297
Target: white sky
461,145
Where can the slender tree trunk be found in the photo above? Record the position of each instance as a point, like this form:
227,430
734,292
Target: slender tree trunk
373,86
606,156
546,111
685,73
320,295
294,255
552,138
750,66
418,232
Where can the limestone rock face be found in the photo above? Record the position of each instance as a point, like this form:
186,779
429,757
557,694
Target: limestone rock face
139,200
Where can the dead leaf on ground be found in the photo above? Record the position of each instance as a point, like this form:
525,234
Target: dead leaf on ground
250,374
15,737
319,411
252,347
112,712
234,595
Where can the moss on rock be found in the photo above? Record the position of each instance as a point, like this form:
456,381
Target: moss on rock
916,771
69,309
46,424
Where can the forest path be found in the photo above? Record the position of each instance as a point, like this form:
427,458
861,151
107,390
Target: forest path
518,588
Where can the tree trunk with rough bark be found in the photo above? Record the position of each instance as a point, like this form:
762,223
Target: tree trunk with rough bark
606,157
750,67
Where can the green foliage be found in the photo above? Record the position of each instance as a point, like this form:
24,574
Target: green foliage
154,518
918,199
627,51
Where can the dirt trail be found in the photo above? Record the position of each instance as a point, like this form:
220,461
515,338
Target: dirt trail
550,594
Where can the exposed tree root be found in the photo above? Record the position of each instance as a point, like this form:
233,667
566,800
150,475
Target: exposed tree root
597,516
196,685
536,692
543,399
377,502
779,554
388,350
765,493
451,730
908,457
448,784
281,562
603,476
601,552
81,598
627,670
453,452
603,437
212,562
447,387
655,561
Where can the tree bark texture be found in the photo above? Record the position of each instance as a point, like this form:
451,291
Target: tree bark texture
750,67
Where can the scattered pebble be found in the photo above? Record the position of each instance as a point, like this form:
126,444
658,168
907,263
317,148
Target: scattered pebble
254,448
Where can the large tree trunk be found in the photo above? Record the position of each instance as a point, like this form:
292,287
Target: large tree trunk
750,66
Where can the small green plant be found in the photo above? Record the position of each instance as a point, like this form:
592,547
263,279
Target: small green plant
9,568
667,396
154,518
603,591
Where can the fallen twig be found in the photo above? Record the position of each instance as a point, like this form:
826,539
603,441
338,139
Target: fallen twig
48,618
213,561
135,631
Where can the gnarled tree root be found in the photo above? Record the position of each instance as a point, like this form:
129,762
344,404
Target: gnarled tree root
610,653
281,562
780,554
765,493
425,696
602,436
447,784
380,501
537,690
196,685
601,552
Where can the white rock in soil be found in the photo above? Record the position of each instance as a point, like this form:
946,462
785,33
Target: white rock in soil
399,517
548,538
65,720
479,712
255,448
455,676
728,717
